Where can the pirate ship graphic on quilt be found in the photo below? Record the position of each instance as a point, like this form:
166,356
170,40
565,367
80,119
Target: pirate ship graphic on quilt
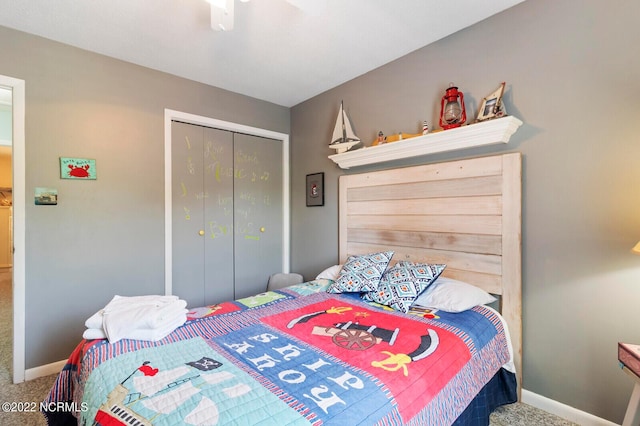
358,336
148,390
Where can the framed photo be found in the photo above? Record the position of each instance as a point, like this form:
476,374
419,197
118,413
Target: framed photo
77,168
491,106
46,196
315,189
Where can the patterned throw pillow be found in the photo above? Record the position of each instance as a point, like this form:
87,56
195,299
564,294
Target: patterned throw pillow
401,285
361,273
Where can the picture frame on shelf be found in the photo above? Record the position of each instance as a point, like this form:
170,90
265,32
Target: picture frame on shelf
492,106
315,189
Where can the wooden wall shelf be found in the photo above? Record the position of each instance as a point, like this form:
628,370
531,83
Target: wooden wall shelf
489,132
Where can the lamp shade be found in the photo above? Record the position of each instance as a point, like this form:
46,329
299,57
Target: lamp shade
636,248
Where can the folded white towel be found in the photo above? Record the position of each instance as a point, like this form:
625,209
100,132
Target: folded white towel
137,317
141,334
167,307
95,320
94,333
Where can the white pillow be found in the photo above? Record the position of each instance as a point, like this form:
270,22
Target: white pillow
449,295
331,273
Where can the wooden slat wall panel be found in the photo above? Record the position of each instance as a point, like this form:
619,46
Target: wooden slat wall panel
470,243
482,205
343,233
483,225
512,255
482,263
486,166
489,283
467,187
465,213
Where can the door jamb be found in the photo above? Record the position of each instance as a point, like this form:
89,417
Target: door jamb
17,87
169,116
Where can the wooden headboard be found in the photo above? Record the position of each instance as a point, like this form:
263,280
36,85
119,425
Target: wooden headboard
464,213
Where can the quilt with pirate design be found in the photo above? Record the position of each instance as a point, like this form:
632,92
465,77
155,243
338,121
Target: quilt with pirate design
295,356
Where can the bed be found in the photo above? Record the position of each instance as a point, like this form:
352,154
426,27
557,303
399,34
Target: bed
319,353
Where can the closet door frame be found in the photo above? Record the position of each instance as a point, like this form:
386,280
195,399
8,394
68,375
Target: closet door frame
169,117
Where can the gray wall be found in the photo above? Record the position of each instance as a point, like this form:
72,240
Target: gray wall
106,236
573,77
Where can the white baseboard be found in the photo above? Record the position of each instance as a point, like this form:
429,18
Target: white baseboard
44,370
565,411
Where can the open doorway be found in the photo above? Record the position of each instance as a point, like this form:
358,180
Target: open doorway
12,135
6,234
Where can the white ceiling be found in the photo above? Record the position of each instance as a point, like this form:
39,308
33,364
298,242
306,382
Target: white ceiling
277,52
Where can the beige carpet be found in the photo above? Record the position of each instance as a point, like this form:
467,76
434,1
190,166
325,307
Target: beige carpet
34,391
31,392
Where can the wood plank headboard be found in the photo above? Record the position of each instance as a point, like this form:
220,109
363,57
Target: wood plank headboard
464,213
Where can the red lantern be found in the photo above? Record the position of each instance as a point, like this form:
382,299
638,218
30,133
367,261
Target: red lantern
452,113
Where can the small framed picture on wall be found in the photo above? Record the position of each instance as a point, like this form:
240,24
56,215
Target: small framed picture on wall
77,168
315,190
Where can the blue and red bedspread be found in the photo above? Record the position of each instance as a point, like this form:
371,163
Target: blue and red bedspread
289,357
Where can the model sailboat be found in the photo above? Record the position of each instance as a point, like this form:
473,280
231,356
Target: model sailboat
343,138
